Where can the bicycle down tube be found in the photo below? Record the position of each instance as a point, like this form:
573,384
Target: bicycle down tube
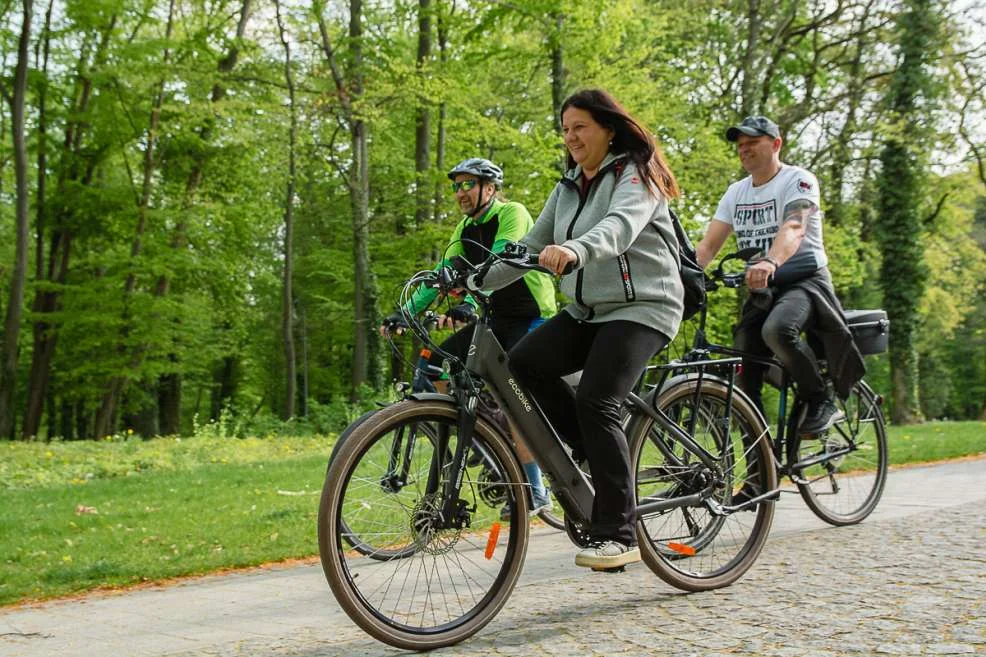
573,489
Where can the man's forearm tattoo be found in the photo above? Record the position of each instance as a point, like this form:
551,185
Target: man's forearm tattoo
800,212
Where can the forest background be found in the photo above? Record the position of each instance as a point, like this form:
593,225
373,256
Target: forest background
208,205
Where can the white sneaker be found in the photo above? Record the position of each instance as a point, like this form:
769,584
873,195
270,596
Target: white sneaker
607,554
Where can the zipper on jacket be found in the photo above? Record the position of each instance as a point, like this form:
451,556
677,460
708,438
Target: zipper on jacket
571,226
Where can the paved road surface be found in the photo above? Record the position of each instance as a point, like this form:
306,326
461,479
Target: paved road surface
911,580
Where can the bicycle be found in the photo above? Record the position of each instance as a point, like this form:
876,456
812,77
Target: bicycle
465,562
841,473
397,474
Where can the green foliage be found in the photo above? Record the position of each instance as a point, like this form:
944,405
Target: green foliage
187,286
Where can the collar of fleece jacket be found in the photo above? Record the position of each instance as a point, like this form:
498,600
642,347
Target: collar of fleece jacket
575,173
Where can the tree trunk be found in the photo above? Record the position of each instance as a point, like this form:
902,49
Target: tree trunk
225,388
365,344
39,210
442,111
557,70
169,387
47,301
422,122
287,301
12,323
364,292
842,148
111,397
748,64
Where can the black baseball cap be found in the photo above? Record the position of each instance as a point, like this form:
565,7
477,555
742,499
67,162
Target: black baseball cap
754,126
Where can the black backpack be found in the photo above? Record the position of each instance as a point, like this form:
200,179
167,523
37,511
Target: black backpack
692,276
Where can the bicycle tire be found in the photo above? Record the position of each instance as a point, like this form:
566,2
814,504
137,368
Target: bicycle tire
356,541
693,547
431,606
845,489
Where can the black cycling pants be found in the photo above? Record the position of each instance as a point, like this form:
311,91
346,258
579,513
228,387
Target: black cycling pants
508,331
612,356
777,331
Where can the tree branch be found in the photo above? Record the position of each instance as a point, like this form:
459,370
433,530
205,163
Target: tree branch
931,218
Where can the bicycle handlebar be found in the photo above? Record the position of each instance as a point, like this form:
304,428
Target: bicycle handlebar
731,280
455,277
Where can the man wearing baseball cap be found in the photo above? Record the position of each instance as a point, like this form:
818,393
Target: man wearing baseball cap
776,209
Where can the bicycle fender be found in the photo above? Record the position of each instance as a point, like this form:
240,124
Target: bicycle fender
432,396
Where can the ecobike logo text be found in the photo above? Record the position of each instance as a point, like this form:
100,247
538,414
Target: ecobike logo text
520,395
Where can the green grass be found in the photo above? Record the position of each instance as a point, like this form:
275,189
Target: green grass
77,516
935,441
134,511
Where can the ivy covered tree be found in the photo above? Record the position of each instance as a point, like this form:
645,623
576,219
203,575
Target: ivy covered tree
900,182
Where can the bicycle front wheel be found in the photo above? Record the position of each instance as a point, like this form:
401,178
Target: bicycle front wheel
365,542
698,546
447,576
841,473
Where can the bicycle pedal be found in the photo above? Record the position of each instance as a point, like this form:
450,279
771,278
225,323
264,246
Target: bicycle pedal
617,569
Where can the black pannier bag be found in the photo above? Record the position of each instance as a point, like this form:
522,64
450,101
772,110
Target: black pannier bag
870,330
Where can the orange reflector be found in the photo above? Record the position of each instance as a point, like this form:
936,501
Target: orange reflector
681,548
491,541
426,353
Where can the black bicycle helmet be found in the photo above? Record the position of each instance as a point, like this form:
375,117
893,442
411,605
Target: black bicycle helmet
479,167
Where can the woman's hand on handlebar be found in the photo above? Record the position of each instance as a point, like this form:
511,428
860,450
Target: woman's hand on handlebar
758,275
557,258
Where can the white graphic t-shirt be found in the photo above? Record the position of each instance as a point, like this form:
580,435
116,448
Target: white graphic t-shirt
756,214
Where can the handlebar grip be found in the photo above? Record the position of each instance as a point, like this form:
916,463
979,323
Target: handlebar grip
532,259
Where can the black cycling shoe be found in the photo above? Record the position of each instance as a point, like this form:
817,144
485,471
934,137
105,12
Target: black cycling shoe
820,416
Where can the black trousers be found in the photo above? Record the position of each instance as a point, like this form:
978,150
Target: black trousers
612,356
508,331
777,330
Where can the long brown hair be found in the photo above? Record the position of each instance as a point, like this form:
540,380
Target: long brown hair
629,137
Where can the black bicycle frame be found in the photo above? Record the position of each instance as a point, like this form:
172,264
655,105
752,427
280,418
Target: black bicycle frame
487,359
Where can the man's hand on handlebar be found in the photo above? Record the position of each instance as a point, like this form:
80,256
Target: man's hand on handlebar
393,323
758,275
464,313
557,258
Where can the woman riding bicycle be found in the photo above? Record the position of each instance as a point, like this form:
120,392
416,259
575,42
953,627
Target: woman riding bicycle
490,222
608,220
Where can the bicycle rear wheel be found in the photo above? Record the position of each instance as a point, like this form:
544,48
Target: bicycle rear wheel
841,473
697,546
446,579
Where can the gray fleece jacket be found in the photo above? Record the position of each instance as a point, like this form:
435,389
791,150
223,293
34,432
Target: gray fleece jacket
621,233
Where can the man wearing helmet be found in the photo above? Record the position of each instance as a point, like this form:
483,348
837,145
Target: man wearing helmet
490,222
